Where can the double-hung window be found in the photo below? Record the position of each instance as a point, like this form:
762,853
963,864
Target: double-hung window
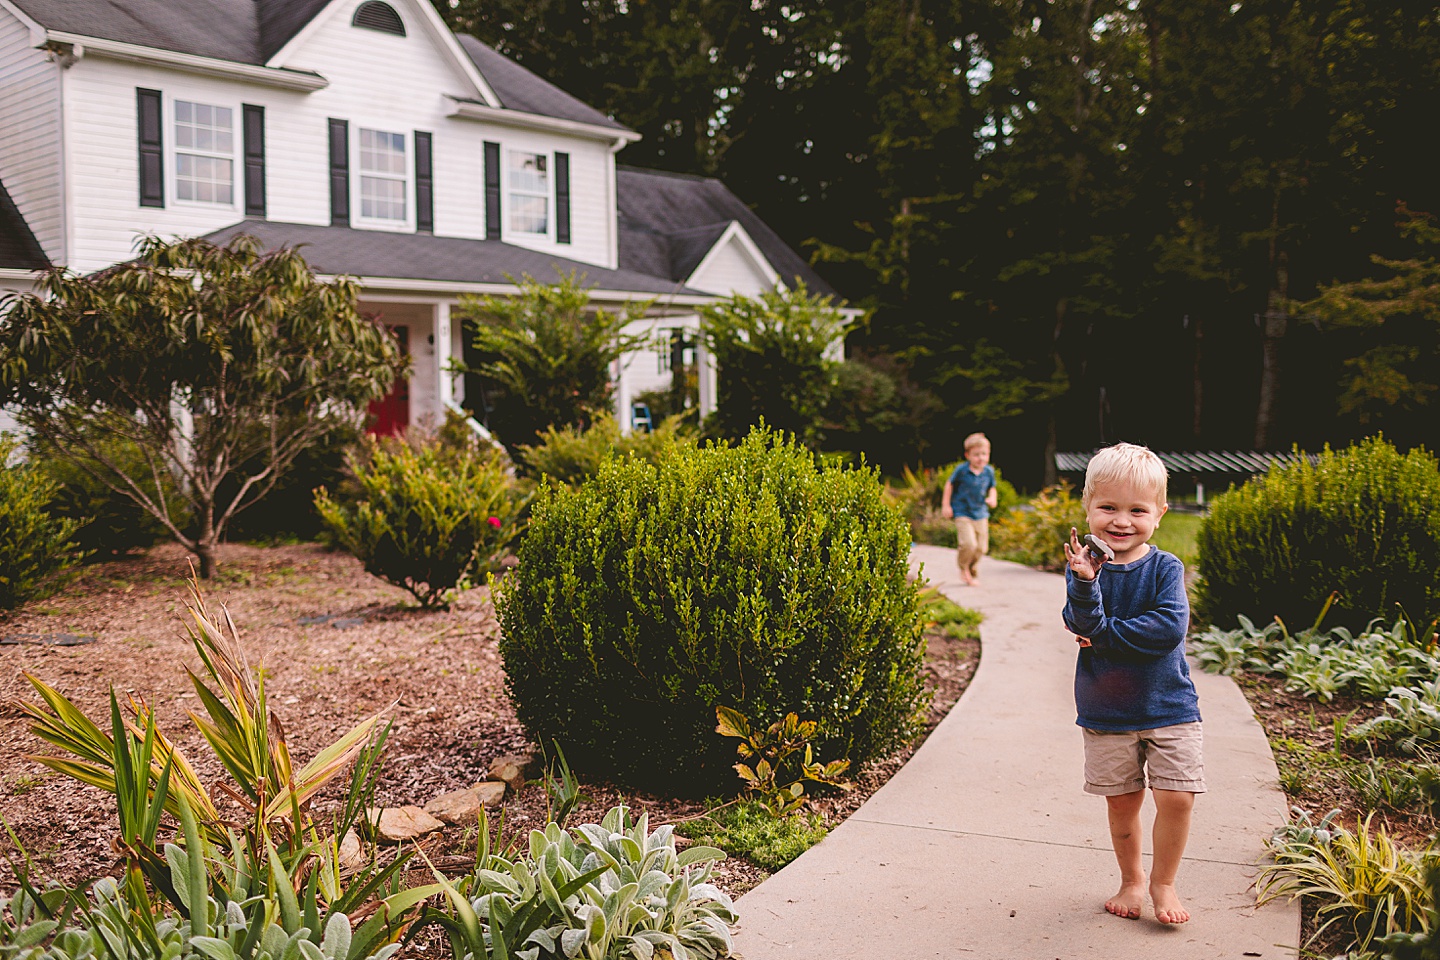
528,182
383,175
204,153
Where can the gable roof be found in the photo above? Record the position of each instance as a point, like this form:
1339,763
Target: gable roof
519,89
337,251
666,219
243,31
19,250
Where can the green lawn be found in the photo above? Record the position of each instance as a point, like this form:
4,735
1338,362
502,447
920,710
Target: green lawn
1177,534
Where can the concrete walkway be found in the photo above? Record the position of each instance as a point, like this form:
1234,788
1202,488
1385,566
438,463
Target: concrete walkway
984,846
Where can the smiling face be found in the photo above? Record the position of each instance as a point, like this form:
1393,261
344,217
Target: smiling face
1125,516
978,456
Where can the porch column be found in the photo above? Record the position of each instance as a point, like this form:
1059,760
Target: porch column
705,373
444,379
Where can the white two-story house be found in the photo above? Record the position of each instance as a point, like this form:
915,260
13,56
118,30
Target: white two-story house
422,163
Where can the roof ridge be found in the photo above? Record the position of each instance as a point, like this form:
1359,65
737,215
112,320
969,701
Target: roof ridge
674,175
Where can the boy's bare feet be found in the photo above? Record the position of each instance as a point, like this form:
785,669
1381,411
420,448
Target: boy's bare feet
1129,900
1168,908
967,578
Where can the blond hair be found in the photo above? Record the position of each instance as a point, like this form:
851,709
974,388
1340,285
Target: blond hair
1126,463
974,440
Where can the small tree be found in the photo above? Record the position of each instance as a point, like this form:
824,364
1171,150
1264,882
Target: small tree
772,364
218,363
545,356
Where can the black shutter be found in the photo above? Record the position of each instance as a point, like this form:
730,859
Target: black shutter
152,152
254,119
492,191
424,185
339,173
562,198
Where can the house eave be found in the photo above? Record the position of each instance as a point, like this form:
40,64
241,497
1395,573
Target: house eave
470,110
281,77
456,288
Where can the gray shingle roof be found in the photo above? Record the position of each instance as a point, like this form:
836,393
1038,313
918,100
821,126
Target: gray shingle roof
421,256
253,31
665,219
519,89
19,250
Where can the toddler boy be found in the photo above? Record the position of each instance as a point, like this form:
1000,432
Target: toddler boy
970,494
1134,698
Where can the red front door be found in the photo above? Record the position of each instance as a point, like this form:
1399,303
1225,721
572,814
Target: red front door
390,415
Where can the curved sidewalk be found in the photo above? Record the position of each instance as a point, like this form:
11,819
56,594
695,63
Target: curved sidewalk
984,846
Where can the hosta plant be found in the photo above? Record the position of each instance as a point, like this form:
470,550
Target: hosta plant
608,891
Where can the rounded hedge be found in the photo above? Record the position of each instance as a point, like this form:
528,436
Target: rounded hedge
1363,521
746,577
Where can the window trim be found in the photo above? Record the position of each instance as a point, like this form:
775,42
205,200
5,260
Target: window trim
172,151
358,173
507,193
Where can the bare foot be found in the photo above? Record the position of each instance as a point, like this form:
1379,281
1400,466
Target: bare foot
1128,901
1168,908
967,578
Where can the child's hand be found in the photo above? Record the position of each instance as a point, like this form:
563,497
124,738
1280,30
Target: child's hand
1085,564
992,499
1083,641
947,511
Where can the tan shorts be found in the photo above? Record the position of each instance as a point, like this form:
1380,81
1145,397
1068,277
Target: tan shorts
1117,762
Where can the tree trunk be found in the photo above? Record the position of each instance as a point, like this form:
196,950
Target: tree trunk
1197,381
1051,446
1273,326
206,552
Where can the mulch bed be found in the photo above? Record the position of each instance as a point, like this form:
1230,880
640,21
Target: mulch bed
337,645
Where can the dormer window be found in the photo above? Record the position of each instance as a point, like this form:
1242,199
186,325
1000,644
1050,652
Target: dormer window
528,180
379,16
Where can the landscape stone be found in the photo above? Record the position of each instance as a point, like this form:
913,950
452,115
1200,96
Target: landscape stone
352,853
403,823
463,806
510,769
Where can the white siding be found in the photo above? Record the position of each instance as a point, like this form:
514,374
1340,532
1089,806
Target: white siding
730,269
380,81
101,125
30,134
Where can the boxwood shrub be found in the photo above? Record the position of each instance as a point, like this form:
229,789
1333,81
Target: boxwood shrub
1363,521
35,547
750,577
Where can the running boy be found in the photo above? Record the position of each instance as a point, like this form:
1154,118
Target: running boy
1133,695
970,494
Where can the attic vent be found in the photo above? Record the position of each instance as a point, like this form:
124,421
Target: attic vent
379,16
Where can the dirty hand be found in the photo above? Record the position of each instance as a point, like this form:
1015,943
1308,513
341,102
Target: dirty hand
1083,641
1084,563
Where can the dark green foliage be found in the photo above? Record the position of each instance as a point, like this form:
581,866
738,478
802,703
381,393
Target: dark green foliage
426,517
745,577
543,357
571,454
290,512
771,355
111,524
876,409
34,546
1363,521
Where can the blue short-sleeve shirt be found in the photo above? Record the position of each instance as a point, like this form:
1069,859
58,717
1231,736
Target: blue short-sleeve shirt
968,489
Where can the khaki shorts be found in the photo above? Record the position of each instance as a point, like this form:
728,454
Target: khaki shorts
1117,762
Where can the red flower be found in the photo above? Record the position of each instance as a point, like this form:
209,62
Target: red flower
494,522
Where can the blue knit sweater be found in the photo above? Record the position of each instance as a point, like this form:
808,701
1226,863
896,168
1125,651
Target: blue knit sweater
1133,676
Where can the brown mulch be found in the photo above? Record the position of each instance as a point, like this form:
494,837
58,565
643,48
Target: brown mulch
439,672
